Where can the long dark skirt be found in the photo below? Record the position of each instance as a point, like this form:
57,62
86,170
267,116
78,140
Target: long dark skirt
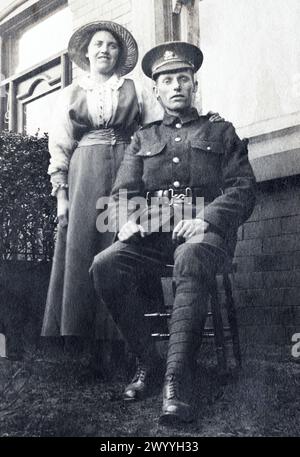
71,305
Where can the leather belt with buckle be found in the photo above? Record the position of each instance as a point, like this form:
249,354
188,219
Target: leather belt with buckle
174,197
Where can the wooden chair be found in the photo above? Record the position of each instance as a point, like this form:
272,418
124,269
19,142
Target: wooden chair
217,330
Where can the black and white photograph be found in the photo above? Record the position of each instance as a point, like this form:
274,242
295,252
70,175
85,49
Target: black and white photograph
149,221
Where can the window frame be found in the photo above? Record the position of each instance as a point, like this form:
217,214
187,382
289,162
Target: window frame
11,104
176,20
16,103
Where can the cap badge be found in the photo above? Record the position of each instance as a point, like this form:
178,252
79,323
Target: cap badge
168,55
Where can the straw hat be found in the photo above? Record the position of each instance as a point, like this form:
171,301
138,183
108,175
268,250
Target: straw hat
80,39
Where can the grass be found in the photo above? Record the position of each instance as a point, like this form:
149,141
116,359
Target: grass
64,397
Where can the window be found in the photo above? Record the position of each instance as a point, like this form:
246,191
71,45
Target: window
35,67
36,113
31,44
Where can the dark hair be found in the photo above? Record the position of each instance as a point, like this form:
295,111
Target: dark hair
103,29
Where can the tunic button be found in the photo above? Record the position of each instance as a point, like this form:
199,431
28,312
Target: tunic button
148,153
177,139
208,148
175,159
178,126
176,183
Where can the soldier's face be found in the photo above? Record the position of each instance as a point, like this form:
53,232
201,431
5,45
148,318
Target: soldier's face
175,90
103,52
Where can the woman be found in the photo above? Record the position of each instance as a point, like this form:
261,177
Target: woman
94,120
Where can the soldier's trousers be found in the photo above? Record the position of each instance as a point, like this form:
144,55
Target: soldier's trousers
127,277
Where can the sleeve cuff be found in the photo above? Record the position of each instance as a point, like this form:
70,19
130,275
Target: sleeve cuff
59,180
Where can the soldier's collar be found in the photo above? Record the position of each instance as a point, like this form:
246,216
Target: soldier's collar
188,116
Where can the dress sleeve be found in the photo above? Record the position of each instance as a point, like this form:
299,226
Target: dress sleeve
61,141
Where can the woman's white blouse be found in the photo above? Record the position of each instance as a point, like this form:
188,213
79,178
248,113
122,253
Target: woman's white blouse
102,99
102,103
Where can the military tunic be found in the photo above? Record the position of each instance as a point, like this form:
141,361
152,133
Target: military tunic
176,153
189,151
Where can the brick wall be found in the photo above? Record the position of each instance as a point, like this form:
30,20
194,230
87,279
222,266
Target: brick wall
267,282
92,10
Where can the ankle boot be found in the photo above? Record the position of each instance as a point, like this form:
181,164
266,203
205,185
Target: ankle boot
146,376
175,407
138,385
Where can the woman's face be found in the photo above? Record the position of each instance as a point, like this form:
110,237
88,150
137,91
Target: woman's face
103,52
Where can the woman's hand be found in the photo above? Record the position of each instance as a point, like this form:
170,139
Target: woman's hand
62,208
214,117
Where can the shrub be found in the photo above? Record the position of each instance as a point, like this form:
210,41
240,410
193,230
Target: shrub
27,210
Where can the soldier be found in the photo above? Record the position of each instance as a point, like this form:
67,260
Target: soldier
182,157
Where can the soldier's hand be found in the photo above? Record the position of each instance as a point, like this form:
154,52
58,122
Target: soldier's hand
129,230
214,117
188,228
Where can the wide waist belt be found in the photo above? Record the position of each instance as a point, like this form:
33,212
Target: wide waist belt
103,136
179,193
185,193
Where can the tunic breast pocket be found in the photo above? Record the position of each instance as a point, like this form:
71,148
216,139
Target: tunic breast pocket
206,161
154,163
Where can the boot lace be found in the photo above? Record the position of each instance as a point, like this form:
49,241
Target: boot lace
173,386
140,373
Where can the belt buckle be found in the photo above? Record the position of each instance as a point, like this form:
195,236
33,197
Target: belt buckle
171,196
179,199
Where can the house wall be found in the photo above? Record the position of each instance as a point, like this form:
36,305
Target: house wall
267,282
250,75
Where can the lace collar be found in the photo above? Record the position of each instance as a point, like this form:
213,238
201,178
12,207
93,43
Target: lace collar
114,83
